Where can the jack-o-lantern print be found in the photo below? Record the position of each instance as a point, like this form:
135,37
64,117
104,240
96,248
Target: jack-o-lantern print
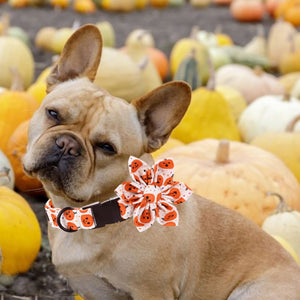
131,188
87,221
72,226
174,193
69,214
172,215
54,219
166,164
135,165
146,216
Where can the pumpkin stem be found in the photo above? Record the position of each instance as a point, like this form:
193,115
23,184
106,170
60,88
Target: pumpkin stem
212,78
282,205
4,172
76,24
222,156
258,71
260,30
144,62
291,125
194,31
218,29
17,80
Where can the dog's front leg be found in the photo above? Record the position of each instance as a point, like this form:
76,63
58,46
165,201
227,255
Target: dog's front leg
91,287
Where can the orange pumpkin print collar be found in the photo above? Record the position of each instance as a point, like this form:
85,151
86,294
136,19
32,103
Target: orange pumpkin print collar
150,197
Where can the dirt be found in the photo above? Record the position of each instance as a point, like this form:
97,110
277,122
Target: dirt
167,26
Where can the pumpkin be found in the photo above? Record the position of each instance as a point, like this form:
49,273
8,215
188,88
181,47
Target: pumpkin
219,57
19,33
118,5
258,44
268,114
182,48
236,175
200,3
20,234
290,63
284,222
223,39
239,55
62,4
18,3
7,176
289,80
16,149
160,60
285,145
250,83
289,10
43,37
222,2
13,52
16,107
271,6
107,33
128,82
38,91
235,100
176,2
159,3
247,10
281,37
141,4
59,39
287,246
208,116
84,6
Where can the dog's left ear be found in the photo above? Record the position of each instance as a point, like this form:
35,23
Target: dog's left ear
80,57
161,110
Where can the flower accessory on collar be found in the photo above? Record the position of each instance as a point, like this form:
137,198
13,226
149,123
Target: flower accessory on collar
152,194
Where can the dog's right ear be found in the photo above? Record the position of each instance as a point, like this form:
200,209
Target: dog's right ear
79,58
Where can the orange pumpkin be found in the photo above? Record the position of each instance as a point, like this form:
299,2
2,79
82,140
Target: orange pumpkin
247,10
159,3
289,10
16,148
222,2
271,6
84,6
160,60
293,15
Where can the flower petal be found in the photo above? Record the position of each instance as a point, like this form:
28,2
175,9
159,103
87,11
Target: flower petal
139,170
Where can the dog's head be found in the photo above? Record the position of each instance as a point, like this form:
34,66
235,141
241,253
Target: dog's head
81,137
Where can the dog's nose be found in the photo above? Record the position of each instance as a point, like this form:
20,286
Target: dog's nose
68,145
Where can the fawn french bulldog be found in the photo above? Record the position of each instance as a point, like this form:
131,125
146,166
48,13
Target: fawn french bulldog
79,144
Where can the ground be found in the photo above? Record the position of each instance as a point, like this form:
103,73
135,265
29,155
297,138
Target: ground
167,26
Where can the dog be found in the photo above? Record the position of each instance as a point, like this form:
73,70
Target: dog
79,144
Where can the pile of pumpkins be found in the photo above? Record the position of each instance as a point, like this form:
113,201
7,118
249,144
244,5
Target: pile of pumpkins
90,6
240,137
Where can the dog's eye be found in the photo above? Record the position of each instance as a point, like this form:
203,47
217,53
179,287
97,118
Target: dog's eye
107,148
53,114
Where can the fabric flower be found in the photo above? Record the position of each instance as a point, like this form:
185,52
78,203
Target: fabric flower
152,194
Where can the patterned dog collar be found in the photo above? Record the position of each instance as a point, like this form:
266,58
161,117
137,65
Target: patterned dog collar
150,196
92,216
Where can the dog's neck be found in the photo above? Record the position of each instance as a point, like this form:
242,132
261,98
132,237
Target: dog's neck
61,201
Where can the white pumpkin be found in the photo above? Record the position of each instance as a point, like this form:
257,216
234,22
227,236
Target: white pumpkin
252,84
14,53
268,114
119,75
7,176
285,223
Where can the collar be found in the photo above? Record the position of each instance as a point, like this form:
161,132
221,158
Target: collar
92,216
150,196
